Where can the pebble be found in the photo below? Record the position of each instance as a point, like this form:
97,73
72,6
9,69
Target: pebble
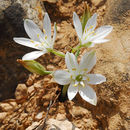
2,115
21,92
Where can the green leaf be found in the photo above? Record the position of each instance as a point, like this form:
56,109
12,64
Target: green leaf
85,17
34,67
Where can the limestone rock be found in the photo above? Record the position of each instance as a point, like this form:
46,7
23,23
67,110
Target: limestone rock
61,125
3,5
5,107
21,92
2,115
97,2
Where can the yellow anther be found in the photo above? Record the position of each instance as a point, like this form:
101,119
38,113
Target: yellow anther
85,31
38,35
88,79
85,69
46,37
32,41
71,76
82,83
74,69
91,27
36,45
44,31
42,43
75,85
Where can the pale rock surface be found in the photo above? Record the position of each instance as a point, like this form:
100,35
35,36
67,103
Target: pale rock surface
61,125
2,116
5,107
97,2
21,92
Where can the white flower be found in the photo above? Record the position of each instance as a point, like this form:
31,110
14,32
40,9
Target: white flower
78,78
89,35
38,40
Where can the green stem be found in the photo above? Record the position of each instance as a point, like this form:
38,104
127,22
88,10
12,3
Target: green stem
47,72
58,53
64,90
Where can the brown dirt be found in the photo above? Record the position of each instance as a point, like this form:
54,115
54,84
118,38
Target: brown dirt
113,61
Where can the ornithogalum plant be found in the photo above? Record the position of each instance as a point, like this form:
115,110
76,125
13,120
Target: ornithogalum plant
39,40
76,78
88,36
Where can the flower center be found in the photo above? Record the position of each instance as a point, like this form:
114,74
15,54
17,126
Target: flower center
79,77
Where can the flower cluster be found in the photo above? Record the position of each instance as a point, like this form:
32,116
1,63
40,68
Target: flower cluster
76,76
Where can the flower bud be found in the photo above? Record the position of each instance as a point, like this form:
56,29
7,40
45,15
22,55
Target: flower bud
33,66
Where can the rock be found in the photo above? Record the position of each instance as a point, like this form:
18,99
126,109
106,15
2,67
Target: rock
31,89
6,107
21,92
51,1
2,115
39,115
3,5
50,67
60,117
34,124
79,111
98,2
61,125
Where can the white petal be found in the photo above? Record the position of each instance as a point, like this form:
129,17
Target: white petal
47,26
72,91
33,30
33,55
71,62
88,61
102,32
77,25
91,24
98,41
88,94
62,77
54,35
27,42
95,78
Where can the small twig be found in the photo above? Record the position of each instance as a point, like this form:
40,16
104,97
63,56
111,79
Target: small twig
43,122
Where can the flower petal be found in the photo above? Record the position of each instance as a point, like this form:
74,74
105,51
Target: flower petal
54,35
87,62
62,77
27,42
91,24
98,41
71,62
77,25
72,91
33,55
33,30
47,26
95,78
88,94
102,32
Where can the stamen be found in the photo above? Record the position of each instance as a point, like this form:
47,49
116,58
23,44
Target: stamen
75,85
74,69
32,41
44,31
88,79
82,83
85,69
38,35
36,45
46,37
42,43
71,76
